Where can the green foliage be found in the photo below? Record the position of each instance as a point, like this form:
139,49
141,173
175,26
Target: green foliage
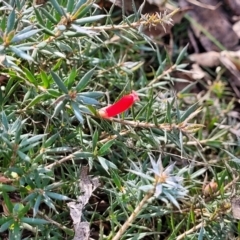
62,63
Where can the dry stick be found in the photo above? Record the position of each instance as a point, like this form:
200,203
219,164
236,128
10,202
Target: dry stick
111,137
191,230
133,215
171,69
184,127
146,22
67,158
151,21
54,222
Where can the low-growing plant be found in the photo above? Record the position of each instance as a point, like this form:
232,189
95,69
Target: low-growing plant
167,163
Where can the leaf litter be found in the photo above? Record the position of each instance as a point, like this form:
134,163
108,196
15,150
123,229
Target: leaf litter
87,186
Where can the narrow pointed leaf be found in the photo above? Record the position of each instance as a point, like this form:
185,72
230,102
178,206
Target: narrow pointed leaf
51,140
189,111
30,197
36,205
84,31
7,201
142,175
85,20
95,139
31,140
49,203
94,94
172,199
71,79
11,21
201,234
59,82
59,107
21,53
106,164
37,99
103,163
4,121
82,154
23,36
26,29
30,76
49,16
70,6
38,16
77,112
6,225
57,7
7,188
35,221
46,30
87,100
79,4
84,81
181,55
23,156
57,196
106,147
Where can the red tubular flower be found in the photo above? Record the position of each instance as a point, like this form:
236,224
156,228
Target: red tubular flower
120,106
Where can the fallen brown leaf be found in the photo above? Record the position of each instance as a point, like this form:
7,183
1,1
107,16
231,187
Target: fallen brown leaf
236,207
87,186
207,59
231,61
207,18
234,5
236,28
197,72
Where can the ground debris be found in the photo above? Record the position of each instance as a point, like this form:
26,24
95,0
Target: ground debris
210,24
87,186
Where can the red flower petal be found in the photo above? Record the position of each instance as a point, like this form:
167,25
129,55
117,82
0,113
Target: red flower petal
120,106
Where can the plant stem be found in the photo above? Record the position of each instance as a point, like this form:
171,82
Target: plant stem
133,215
